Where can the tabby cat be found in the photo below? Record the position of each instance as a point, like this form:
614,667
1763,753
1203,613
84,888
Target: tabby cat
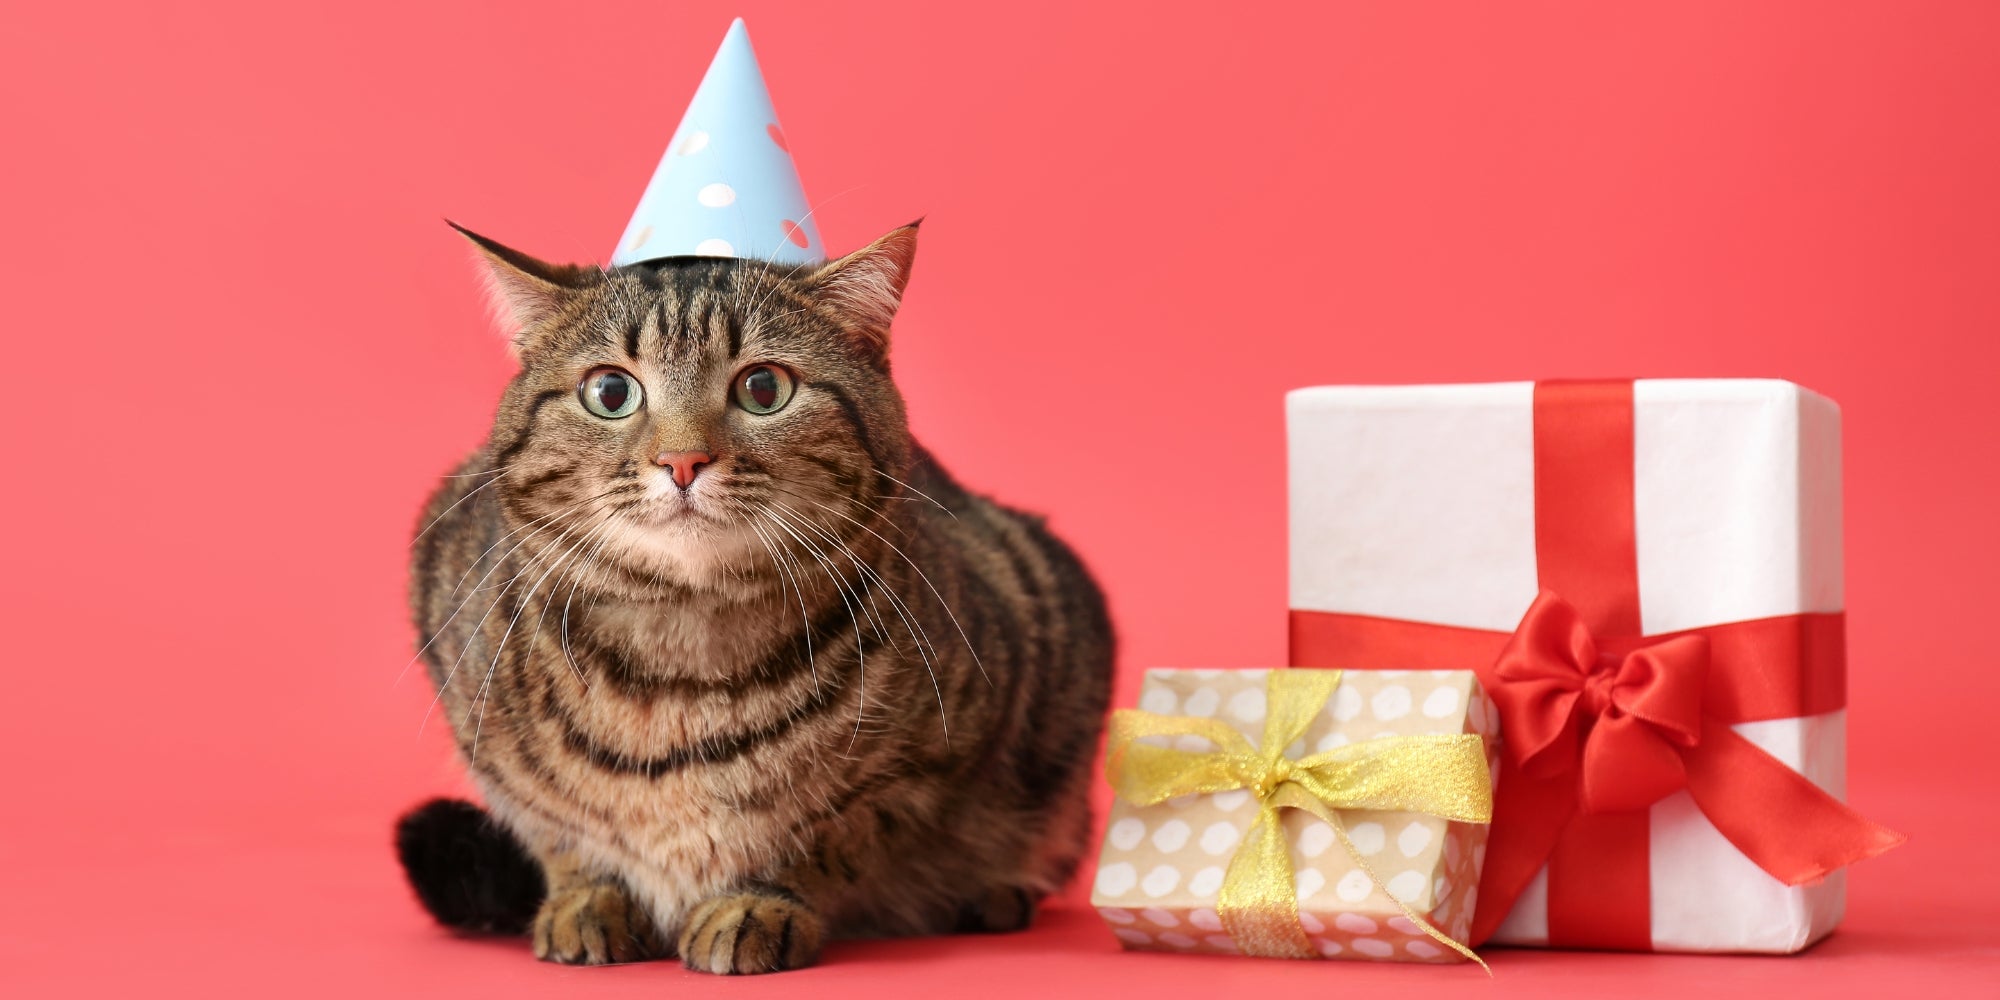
736,664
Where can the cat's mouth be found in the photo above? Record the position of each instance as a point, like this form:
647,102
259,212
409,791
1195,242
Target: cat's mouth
656,514
676,509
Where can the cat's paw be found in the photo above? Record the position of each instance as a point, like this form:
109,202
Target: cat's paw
594,924
747,934
1003,909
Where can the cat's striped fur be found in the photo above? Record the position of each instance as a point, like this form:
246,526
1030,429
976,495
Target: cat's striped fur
822,691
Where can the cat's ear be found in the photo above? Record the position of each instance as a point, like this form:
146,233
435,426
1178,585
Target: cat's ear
526,291
867,285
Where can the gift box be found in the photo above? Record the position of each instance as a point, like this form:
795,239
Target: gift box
1298,813
1647,577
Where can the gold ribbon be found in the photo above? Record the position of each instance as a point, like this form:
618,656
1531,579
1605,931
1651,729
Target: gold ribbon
1441,775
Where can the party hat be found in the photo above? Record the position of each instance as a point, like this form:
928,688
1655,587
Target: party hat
726,187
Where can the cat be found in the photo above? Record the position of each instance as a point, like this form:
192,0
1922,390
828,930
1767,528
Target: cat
737,666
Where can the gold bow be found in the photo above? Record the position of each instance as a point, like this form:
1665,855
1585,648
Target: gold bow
1439,775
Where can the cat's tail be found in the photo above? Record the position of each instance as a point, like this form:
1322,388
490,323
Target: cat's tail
468,870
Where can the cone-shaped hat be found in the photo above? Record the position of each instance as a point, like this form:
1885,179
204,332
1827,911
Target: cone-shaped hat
726,187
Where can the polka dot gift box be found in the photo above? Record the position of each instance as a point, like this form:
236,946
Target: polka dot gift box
1375,885
1647,577
726,186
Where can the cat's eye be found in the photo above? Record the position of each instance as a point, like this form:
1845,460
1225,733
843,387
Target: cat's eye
610,393
763,388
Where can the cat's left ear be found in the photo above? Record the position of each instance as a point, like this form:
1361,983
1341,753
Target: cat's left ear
867,285
527,292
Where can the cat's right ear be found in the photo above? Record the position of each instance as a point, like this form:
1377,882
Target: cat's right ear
526,291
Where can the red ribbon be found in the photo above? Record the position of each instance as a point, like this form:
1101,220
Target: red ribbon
1628,718
1600,722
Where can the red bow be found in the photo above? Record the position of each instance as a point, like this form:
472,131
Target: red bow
1635,714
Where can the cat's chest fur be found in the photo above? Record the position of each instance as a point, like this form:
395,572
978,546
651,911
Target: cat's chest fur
701,640
676,790
670,840
649,680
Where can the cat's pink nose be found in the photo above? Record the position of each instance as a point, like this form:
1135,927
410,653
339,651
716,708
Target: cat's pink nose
686,465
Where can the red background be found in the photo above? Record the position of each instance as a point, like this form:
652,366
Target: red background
241,346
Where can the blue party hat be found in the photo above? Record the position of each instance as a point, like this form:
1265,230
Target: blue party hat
726,187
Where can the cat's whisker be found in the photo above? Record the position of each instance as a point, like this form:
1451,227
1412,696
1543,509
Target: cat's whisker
946,605
454,506
526,599
533,561
609,280
805,622
877,514
840,585
599,532
896,602
445,684
485,683
482,472
868,578
502,540
866,587
439,632
811,210
741,290
772,287
918,492
614,287
606,495
860,645
575,580
864,582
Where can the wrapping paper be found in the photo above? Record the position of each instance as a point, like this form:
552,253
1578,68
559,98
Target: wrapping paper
1162,866
1419,504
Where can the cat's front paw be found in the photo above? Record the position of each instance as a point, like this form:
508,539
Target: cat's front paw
594,924
747,934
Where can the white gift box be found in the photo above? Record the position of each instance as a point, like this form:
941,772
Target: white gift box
1418,503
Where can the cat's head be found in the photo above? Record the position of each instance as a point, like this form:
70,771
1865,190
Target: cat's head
683,415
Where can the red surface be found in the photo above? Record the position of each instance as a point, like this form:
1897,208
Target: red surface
241,347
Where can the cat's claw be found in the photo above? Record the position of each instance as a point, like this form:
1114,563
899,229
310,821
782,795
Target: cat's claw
748,934
594,924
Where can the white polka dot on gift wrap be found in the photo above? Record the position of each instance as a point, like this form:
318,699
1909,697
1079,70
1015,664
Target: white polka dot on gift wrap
1183,847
